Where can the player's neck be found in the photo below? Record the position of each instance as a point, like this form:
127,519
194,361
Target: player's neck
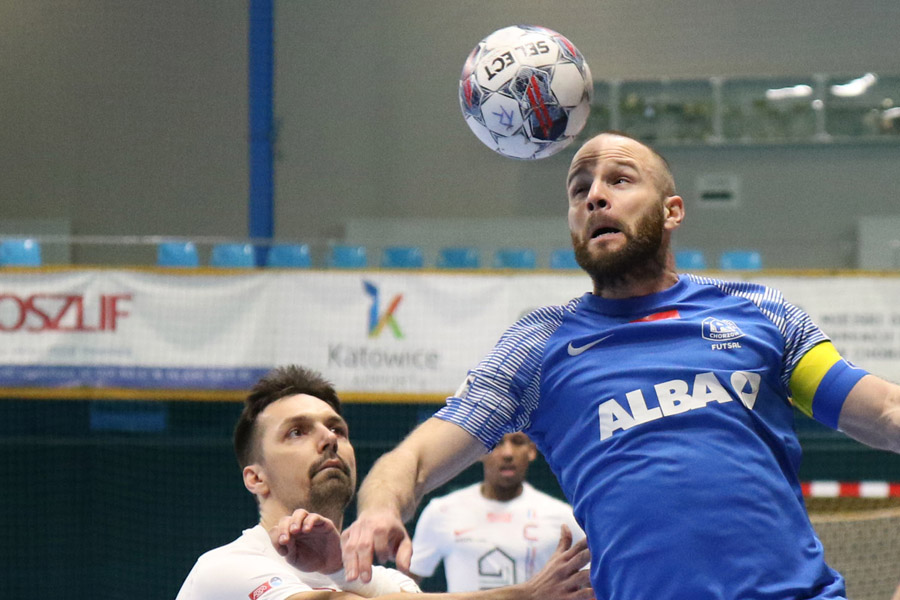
633,287
501,494
652,276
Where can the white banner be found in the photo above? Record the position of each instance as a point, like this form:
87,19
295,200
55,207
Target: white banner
377,332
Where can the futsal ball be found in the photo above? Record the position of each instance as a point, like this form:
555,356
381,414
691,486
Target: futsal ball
525,91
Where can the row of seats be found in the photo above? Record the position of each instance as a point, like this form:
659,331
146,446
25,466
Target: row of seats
730,260
27,252
412,257
184,254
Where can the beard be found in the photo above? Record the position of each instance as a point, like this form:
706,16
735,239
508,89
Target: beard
331,489
642,257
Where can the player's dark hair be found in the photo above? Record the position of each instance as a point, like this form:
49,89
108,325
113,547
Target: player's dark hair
274,385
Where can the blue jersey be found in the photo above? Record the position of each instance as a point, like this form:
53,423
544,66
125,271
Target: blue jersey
667,420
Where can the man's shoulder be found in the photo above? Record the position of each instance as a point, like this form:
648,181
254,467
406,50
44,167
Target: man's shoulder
756,292
531,332
453,499
557,310
550,314
238,565
248,543
532,493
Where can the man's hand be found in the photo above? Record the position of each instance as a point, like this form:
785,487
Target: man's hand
562,578
308,541
378,533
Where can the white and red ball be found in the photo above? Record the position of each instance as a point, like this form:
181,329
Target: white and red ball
525,91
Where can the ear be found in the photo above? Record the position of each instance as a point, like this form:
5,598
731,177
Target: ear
532,452
255,480
674,212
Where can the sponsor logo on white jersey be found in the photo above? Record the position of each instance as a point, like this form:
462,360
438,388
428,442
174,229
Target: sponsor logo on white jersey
675,397
259,591
496,568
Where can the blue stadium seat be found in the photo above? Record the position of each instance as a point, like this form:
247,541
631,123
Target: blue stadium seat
459,257
177,254
287,256
402,257
20,253
348,257
515,258
563,258
233,256
689,260
747,260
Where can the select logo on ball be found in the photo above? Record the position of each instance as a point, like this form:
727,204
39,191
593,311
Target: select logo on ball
525,91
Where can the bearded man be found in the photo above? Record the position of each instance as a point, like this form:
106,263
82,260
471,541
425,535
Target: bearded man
663,402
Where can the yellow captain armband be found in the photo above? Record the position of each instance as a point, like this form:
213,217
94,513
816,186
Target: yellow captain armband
821,381
808,374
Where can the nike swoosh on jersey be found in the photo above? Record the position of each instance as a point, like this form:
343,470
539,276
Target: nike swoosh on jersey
576,350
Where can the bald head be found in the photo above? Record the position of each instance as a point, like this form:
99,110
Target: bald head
651,160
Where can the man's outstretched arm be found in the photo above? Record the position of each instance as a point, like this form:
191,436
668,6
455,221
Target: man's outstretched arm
431,455
871,413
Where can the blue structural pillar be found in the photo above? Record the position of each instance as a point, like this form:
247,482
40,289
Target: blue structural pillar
262,135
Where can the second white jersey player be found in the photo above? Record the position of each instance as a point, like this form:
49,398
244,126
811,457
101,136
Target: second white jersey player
485,542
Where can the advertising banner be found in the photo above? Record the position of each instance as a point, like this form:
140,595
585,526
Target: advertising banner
376,334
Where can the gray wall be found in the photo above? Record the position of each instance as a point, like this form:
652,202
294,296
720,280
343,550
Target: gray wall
129,117
375,131
125,117
799,205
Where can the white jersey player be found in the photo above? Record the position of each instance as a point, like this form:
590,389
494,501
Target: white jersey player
495,533
294,449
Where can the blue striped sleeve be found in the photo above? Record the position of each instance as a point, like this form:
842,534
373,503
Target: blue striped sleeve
800,336
500,394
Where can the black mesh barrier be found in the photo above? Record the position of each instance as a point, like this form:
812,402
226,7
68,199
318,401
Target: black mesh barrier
117,499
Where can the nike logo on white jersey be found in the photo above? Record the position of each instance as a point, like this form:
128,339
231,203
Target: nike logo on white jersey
576,350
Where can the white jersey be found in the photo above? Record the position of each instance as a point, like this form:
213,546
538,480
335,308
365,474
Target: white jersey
488,543
250,567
